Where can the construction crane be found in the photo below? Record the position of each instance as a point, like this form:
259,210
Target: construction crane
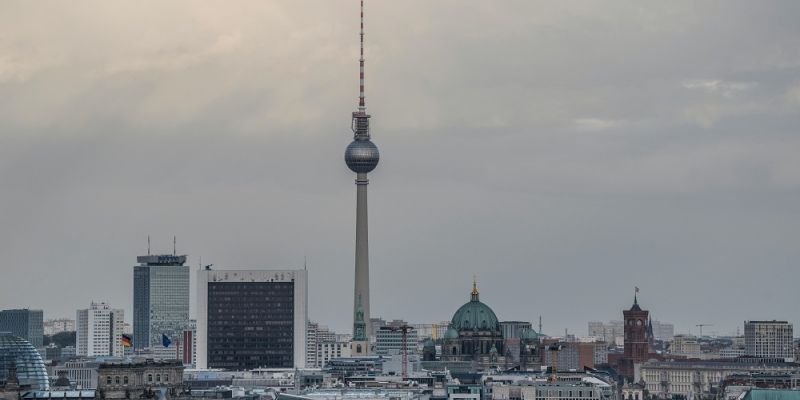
403,329
554,349
701,327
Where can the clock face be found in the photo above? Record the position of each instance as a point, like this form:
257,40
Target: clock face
638,322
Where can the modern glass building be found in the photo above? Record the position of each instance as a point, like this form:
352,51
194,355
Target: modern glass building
160,299
19,353
27,324
250,319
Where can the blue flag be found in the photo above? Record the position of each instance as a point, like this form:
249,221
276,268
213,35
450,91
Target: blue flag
165,340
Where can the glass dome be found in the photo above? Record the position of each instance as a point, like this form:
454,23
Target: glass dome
18,352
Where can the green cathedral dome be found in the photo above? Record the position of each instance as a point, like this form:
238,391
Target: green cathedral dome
475,316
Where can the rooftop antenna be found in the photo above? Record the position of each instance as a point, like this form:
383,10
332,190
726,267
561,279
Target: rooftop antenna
148,245
362,106
305,263
174,245
540,324
360,117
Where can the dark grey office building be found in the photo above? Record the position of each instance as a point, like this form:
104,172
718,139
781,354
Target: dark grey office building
160,299
27,324
251,319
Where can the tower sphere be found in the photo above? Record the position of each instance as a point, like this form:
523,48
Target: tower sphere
361,156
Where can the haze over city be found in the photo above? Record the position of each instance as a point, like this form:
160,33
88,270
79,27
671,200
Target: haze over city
563,152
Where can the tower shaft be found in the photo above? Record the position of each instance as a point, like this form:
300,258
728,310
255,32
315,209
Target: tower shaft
361,288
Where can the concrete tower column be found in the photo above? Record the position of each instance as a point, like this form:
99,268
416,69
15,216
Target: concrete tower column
361,289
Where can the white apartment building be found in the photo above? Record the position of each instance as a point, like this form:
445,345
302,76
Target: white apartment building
53,326
311,344
99,331
769,339
329,350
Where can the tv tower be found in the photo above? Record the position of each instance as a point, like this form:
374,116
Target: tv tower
361,157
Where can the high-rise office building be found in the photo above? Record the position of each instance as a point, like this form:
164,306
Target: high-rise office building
251,318
99,331
160,300
769,339
27,324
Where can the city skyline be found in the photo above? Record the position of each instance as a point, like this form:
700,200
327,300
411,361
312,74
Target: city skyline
512,148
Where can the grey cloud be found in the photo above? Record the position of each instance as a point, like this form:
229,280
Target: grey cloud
599,147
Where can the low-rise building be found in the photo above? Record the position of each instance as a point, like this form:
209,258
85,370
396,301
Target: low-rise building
665,379
685,345
139,379
82,374
329,350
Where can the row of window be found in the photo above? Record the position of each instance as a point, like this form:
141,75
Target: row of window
124,380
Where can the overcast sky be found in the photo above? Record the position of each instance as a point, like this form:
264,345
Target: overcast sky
564,152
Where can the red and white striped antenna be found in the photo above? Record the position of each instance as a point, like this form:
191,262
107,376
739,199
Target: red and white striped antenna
360,123
362,107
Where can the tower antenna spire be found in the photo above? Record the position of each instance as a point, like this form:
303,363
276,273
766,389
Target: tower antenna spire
362,105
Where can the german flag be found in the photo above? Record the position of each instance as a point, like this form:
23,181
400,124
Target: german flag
127,341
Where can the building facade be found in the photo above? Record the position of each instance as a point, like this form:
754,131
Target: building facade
81,373
328,350
432,331
250,319
53,326
663,331
160,300
698,379
311,344
389,340
99,331
25,323
612,332
187,347
139,379
551,391
769,339
685,345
